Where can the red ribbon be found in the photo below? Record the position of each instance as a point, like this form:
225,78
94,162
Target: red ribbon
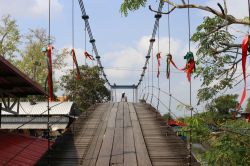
50,81
244,58
88,56
159,63
176,66
78,76
170,61
189,69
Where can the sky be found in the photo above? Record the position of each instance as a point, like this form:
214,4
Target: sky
122,42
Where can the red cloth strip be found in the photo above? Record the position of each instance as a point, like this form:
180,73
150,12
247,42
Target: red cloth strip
244,58
78,76
88,56
50,81
159,63
176,66
189,69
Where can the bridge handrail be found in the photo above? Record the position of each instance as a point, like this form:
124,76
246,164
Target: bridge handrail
169,94
164,105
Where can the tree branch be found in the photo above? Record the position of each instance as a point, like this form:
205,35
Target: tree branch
228,46
231,19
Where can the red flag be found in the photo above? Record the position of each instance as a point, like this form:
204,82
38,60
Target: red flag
88,56
78,76
50,81
158,56
244,58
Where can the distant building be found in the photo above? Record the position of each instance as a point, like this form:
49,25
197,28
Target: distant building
35,116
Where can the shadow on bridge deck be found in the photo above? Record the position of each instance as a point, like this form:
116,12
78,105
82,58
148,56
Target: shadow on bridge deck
120,134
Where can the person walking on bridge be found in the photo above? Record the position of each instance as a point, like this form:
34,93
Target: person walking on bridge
124,97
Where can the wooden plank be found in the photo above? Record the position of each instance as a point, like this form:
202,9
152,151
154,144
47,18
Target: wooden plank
164,149
117,151
130,159
140,146
129,147
94,149
106,149
111,121
127,119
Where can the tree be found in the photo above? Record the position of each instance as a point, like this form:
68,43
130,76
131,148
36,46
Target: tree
131,5
218,52
34,62
223,104
9,37
247,109
90,89
225,142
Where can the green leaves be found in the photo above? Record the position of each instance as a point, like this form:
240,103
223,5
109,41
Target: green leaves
33,61
226,143
215,58
131,5
9,38
90,89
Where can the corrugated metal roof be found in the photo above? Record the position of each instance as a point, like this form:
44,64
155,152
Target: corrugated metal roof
11,122
17,149
40,108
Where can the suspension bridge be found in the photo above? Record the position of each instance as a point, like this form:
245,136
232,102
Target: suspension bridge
112,133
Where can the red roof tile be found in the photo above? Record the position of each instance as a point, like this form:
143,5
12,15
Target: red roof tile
17,149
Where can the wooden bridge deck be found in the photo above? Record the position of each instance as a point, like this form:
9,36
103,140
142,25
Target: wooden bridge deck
120,134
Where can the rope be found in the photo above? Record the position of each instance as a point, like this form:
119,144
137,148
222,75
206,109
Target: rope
92,40
73,46
85,42
190,88
152,73
73,42
169,79
174,98
161,4
169,44
148,79
48,106
158,78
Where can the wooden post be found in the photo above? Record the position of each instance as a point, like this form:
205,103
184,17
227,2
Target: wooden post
0,115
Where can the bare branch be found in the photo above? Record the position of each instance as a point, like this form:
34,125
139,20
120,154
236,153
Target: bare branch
172,9
225,6
221,8
231,19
